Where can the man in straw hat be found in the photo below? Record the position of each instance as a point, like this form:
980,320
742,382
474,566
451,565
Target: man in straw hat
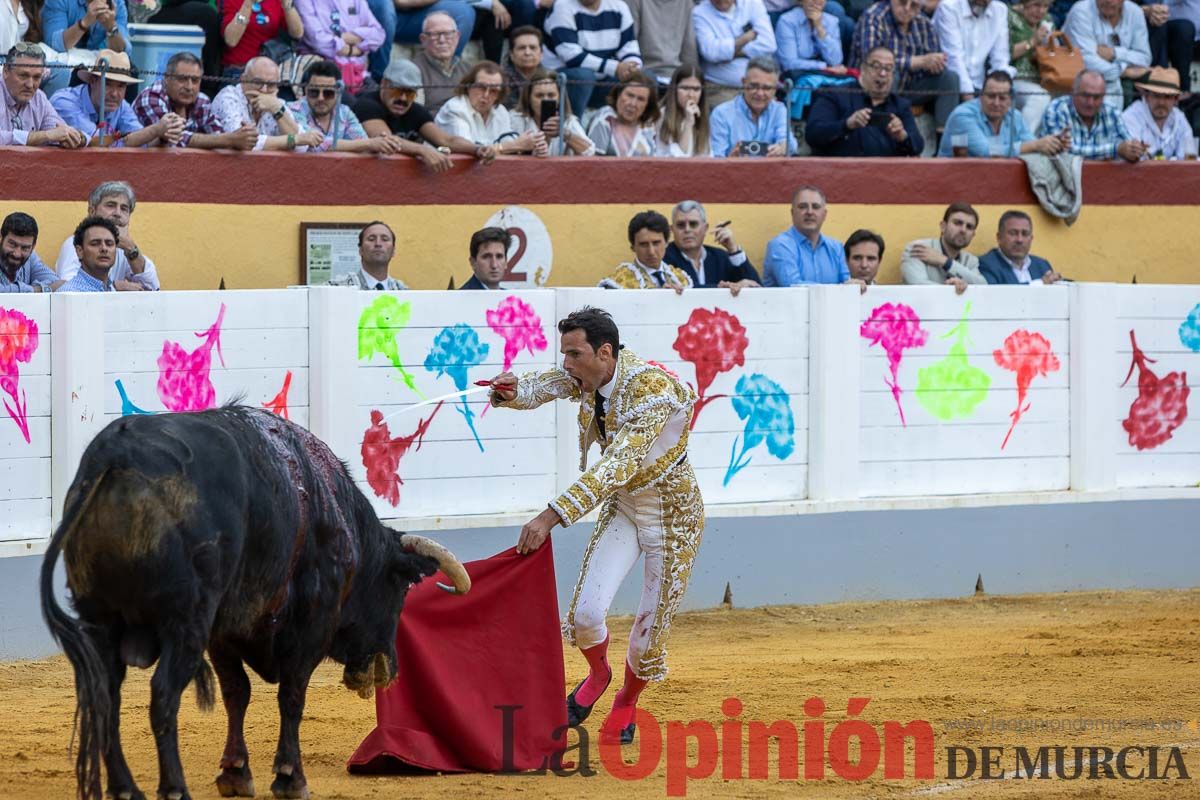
79,107
1156,119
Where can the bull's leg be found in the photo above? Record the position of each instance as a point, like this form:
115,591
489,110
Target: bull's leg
289,773
234,779
176,667
121,785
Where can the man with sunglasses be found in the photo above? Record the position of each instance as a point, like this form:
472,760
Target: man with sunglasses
1095,128
28,118
394,111
255,101
320,109
726,267
179,92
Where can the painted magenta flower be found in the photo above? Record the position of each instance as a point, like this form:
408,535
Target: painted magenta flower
1161,404
519,326
455,350
18,342
378,326
895,327
1029,355
713,342
184,379
767,411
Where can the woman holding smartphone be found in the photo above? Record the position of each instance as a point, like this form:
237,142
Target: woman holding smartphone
683,130
538,109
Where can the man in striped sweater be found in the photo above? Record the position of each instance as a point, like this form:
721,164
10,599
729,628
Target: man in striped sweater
592,42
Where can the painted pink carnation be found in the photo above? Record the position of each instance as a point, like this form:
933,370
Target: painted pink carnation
895,327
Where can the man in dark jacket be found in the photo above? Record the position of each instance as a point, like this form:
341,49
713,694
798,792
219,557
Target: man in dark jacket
726,266
489,258
1009,261
873,122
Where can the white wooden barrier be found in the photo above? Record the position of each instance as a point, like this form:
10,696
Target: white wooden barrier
803,389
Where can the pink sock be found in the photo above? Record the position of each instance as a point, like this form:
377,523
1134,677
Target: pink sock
599,674
624,704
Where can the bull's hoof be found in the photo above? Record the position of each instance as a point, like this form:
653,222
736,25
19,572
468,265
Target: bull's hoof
124,793
173,794
291,786
236,782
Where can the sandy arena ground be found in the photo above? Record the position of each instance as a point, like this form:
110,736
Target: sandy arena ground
1077,656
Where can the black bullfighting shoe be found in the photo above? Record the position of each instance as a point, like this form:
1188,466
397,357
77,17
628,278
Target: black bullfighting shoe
577,713
627,733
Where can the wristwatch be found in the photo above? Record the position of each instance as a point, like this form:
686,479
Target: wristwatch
115,30
133,253
81,26
241,19
279,113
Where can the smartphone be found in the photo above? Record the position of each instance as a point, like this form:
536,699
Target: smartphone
880,119
549,108
749,26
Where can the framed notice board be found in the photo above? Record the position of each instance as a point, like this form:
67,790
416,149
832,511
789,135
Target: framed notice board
328,250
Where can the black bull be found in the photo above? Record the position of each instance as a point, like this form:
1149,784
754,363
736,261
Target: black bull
229,530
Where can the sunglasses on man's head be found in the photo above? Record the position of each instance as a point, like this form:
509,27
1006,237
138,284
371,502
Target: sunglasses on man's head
320,93
26,49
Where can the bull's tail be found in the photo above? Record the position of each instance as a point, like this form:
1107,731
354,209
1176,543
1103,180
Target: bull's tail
206,695
93,702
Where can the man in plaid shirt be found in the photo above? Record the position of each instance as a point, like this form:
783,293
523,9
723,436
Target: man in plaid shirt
1096,130
179,91
921,74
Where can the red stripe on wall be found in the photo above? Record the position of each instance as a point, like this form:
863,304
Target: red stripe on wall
348,180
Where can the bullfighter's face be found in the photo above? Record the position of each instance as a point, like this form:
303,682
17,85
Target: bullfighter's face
590,368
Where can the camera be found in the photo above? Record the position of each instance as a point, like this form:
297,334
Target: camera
754,149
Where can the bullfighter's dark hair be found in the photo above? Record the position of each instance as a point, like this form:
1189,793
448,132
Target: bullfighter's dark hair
863,235
94,222
597,326
649,221
484,235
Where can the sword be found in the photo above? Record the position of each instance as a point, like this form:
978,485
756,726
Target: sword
480,386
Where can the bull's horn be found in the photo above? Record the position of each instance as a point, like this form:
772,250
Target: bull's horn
445,559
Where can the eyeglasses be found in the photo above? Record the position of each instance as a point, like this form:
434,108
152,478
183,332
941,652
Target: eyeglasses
397,93
270,87
193,80
880,67
259,16
688,224
318,93
760,87
488,88
440,36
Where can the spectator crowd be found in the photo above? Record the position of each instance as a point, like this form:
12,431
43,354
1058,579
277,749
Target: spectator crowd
103,254
672,78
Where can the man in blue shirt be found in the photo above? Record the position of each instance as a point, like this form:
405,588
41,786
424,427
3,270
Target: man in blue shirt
991,128
78,106
86,25
96,245
20,268
802,254
753,121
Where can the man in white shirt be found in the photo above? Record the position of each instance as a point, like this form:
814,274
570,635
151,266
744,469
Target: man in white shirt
255,101
132,271
1156,118
974,36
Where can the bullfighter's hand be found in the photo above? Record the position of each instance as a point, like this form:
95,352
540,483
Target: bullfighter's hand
504,386
536,530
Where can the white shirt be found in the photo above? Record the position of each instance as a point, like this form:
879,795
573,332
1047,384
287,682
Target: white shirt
737,259
68,264
1172,140
13,25
1022,272
459,118
974,45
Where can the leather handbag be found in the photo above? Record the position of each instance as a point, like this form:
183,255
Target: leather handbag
1058,62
